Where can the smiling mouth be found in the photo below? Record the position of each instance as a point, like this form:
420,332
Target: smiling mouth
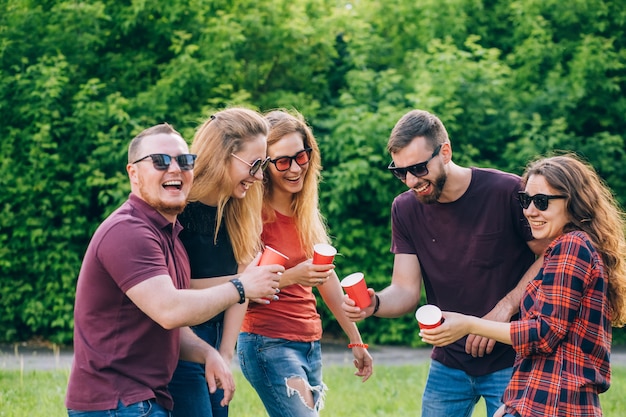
421,189
174,184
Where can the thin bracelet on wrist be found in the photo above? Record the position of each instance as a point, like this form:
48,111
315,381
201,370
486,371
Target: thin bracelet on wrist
363,345
239,286
376,304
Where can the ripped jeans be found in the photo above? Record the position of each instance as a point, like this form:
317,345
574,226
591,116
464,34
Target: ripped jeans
286,375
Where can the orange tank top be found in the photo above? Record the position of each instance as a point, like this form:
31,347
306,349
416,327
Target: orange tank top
294,316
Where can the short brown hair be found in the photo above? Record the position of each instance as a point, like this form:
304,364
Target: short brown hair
135,144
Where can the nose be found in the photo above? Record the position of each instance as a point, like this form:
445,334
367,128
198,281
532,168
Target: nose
531,210
173,166
411,180
258,175
293,166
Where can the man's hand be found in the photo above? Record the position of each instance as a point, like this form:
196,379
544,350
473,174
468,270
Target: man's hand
354,313
218,375
261,281
478,346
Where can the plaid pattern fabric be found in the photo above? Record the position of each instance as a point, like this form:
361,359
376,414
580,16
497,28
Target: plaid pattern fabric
563,337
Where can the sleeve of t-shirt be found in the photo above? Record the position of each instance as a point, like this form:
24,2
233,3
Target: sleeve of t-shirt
401,241
517,214
131,252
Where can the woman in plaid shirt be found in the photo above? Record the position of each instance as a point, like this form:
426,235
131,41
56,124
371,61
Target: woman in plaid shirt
563,336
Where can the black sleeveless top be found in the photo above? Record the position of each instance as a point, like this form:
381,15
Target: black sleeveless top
208,258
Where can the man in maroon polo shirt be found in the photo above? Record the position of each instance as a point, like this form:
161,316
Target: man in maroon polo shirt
133,304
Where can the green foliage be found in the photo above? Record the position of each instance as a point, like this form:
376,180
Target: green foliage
511,79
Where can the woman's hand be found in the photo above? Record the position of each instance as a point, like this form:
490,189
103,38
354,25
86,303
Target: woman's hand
454,327
307,274
363,362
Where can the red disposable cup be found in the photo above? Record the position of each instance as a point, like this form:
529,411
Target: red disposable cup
429,316
356,288
323,254
271,256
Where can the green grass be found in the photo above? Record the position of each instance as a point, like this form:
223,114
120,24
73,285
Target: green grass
392,391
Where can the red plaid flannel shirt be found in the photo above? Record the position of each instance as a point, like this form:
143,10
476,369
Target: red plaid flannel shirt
563,337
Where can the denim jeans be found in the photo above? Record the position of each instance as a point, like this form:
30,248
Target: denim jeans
148,408
272,365
452,392
188,385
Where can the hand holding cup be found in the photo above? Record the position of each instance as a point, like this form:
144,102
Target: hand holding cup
356,288
261,281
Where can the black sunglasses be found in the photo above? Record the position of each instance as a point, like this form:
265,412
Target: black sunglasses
162,161
283,163
539,200
259,164
417,170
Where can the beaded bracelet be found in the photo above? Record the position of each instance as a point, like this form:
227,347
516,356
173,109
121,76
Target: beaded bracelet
363,345
239,286
377,305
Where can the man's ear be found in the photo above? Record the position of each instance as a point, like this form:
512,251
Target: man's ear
131,169
446,152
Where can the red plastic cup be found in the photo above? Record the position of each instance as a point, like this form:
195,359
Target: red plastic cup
356,288
271,256
323,254
429,316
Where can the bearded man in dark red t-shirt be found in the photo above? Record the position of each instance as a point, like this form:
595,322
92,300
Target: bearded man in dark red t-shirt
462,233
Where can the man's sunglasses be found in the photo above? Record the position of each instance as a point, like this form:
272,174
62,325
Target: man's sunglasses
417,170
259,164
162,161
539,200
283,163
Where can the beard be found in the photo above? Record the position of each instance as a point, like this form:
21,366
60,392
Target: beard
168,208
437,189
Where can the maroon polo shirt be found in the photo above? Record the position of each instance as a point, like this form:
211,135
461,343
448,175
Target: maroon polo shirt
121,354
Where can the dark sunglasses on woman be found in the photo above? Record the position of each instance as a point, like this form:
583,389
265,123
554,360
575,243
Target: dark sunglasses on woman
539,200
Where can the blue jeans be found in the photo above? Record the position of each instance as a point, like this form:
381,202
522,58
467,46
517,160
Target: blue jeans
277,367
452,392
188,385
141,409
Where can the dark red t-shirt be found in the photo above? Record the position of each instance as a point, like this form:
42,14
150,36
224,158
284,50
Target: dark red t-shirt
119,352
472,252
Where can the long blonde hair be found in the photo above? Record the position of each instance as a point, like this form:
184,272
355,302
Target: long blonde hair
222,134
593,209
304,204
